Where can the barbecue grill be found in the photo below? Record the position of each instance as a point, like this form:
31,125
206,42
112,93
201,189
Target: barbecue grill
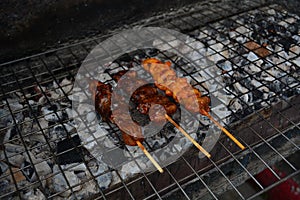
250,68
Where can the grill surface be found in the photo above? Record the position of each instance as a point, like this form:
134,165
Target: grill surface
33,158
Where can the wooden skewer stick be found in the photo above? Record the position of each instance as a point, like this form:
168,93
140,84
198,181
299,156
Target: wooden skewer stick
226,132
149,156
188,136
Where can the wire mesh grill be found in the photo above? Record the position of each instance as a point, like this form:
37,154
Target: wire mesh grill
39,142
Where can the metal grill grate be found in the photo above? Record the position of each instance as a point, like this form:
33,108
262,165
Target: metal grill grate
37,137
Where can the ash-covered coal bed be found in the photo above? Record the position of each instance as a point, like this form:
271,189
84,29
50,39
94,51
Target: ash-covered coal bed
253,57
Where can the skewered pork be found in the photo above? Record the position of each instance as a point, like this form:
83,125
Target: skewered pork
102,94
179,88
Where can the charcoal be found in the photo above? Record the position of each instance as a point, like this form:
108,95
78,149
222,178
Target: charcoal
5,118
27,170
36,194
286,43
60,184
73,154
3,167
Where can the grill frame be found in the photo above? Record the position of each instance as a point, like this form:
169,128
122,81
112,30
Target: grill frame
39,65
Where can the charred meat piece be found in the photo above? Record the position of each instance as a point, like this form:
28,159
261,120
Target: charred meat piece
144,92
146,103
131,81
102,94
157,113
145,96
123,120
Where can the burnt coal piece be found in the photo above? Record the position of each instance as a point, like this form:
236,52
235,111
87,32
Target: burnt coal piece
68,151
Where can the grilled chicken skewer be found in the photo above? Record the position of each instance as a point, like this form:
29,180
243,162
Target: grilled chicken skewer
102,93
166,79
147,96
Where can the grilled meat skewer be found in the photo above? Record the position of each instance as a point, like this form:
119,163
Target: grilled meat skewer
179,88
145,96
102,94
166,79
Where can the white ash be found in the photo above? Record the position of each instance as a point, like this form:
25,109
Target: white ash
98,168
99,133
59,183
104,180
216,47
85,129
297,61
252,57
16,160
78,97
37,137
238,87
91,116
79,169
43,123
132,168
84,109
74,167
58,131
51,115
54,95
88,189
222,96
43,169
102,175
70,127
157,142
34,195
164,155
3,167
6,118
115,178
42,100
252,68
12,149
14,104
132,151
90,143
214,57
221,111
241,39
108,143
67,86
71,113
242,29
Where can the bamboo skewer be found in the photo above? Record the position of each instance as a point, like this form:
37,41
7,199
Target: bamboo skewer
154,63
188,136
226,132
158,167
